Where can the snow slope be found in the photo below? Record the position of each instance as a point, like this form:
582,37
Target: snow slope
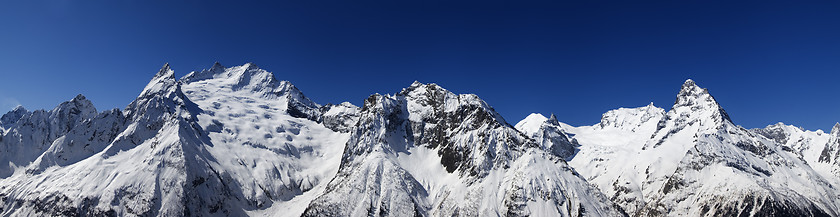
219,142
693,161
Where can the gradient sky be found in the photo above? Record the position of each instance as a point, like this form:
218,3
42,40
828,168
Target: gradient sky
764,61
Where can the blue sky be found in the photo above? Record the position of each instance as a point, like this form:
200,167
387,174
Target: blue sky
764,61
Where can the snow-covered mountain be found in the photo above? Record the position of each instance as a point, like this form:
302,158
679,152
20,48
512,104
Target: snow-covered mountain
224,141
236,141
27,135
429,152
694,161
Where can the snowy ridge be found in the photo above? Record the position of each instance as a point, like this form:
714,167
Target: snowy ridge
427,151
236,141
250,78
817,148
693,161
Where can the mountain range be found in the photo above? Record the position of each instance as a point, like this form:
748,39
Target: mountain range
237,141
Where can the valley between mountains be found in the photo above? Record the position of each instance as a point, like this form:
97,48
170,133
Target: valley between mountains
238,141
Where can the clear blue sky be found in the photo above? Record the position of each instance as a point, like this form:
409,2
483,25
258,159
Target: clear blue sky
765,61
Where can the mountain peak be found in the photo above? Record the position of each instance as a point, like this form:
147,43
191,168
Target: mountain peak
13,116
416,84
697,98
19,108
162,81
531,124
690,93
423,88
250,65
836,129
78,101
79,97
164,71
217,66
553,120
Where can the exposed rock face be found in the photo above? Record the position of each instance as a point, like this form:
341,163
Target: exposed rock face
29,134
428,151
341,117
549,134
830,154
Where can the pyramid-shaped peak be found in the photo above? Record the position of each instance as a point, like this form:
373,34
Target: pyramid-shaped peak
552,120
416,84
836,129
165,71
690,88
691,94
217,65
163,80
694,98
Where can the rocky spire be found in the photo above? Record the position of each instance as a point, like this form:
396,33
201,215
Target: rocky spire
553,120
164,79
697,98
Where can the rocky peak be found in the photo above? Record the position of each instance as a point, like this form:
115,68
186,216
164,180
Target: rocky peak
690,94
217,66
835,131
162,81
79,102
777,132
12,116
428,100
162,98
72,112
696,98
553,120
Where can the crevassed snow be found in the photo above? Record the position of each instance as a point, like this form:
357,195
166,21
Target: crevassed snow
218,142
